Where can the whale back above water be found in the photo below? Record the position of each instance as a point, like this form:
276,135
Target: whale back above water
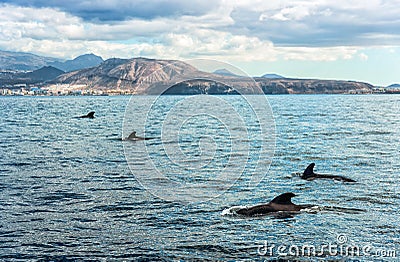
280,203
134,137
309,174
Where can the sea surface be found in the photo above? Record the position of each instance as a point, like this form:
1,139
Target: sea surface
72,190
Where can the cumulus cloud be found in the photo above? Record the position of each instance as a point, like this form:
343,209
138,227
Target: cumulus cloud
318,54
317,30
321,22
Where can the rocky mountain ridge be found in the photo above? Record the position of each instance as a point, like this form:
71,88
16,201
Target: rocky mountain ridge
78,63
20,61
393,86
40,75
155,76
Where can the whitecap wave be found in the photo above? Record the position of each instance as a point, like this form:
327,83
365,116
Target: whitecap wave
232,210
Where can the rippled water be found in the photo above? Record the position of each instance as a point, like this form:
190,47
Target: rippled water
69,193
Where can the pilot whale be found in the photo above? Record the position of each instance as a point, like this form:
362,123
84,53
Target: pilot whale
280,203
134,137
309,174
89,115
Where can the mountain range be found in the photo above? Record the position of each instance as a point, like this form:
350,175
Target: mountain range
153,76
80,62
19,61
40,75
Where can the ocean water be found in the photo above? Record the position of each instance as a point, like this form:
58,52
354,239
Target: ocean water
72,190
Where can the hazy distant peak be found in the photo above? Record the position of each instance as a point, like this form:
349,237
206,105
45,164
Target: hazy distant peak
44,74
90,56
224,72
23,61
80,62
272,76
393,86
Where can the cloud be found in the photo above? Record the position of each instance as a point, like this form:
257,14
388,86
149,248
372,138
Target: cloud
363,56
317,54
285,23
321,22
119,10
316,30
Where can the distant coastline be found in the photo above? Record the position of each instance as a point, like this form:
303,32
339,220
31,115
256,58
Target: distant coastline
115,92
91,75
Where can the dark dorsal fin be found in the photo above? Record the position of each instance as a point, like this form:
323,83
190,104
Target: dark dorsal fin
132,135
309,170
90,114
284,199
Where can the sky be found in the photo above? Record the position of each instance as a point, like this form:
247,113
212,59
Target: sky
348,40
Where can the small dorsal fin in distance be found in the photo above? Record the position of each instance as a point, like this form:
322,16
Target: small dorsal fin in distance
284,199
132,135
89,115
309,171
